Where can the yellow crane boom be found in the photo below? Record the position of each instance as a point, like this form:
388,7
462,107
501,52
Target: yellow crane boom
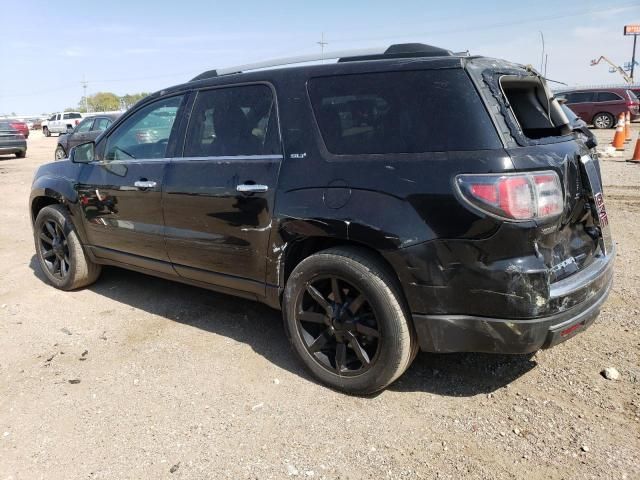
618,69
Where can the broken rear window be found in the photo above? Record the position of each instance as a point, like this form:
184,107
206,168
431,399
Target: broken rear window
401,112
536,114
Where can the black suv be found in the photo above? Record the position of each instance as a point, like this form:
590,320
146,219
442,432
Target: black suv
388,202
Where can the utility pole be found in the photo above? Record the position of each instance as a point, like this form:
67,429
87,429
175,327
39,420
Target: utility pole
85,84
322,43
633,57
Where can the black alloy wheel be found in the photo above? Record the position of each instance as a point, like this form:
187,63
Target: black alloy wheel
54,249
338,326
347,321
61,256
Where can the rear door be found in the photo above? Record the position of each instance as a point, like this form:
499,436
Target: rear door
218,197
609,102
120,192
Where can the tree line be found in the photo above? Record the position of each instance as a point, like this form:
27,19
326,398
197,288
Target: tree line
106,102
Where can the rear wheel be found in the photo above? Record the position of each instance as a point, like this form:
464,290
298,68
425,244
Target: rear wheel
603,120
21,154
46,132
59,251
60,153
346,319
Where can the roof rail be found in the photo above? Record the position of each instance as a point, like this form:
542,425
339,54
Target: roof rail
406,50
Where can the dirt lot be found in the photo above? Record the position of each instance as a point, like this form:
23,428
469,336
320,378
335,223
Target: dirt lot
138,377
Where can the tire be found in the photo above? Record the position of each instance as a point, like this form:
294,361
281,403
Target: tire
60,153
46,132
603,120
55,233
21,154
380,323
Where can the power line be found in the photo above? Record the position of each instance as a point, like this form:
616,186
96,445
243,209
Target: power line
490,26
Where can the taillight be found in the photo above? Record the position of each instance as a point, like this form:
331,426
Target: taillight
77,122
522,196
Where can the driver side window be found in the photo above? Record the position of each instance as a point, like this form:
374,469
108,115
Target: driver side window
146,133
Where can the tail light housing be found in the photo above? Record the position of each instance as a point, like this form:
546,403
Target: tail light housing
518,197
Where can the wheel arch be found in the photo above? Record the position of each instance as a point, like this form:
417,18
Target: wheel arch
50,191
297,250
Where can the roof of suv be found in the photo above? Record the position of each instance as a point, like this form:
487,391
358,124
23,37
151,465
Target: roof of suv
401,56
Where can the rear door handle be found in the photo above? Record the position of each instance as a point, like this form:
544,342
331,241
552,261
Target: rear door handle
145,184
251,188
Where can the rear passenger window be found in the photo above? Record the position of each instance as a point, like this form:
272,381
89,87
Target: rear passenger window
101,124
580,97
401,112
608,97
233,121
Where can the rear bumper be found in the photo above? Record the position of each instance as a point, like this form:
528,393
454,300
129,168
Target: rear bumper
466,333
13,147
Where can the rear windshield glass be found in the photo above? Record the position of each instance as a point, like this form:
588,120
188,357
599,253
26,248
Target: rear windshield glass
632,96
71,115
401,112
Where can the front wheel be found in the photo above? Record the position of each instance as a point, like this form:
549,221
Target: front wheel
59,251
347,321
60,153
46,132
603,120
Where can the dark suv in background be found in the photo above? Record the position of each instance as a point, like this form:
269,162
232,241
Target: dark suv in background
393,201
87,130
601,107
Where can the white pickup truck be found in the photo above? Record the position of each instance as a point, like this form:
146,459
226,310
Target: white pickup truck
61,122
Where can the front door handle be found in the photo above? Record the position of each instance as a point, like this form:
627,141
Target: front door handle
145,184
251,188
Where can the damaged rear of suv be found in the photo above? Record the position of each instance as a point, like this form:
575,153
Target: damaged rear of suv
543,264
396,200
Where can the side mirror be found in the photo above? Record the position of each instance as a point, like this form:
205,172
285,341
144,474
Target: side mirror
83,153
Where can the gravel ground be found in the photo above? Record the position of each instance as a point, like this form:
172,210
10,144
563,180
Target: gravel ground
138,377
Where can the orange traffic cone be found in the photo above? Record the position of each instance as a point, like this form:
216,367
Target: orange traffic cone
618,138
636,152
627,127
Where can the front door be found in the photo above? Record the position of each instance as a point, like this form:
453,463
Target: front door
120,192
218,197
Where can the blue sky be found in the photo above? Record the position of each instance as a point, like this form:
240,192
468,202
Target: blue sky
130,46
